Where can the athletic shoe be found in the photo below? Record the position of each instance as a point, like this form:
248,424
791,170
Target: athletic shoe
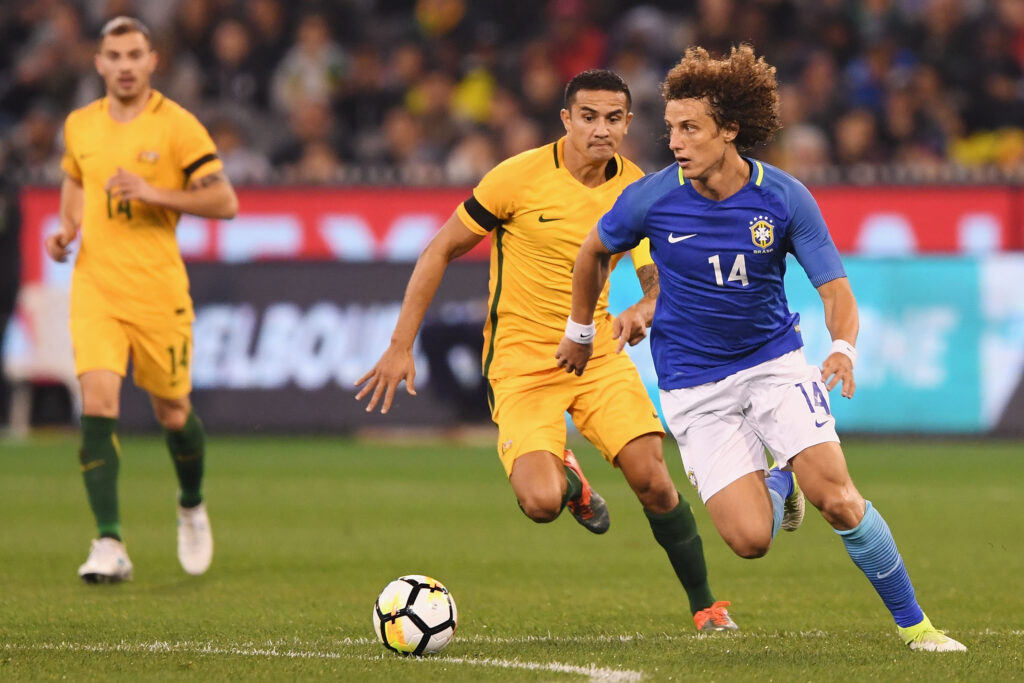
793,509
589,507
195,541
715,618
927,638
107,562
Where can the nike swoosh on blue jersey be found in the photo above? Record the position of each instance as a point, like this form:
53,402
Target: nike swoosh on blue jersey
672,239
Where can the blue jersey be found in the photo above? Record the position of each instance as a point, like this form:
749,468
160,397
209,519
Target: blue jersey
722,306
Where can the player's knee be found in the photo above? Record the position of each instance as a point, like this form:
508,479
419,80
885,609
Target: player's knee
658,496
174,423
100,406
750,546
172,418
751,550
842,511
541,509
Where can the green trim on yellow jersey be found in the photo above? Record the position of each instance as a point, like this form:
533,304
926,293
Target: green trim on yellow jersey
545,213
492,316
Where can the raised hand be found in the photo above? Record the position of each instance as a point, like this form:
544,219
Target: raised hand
394,366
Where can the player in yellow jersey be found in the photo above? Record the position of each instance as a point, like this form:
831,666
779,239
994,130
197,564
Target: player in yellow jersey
134,162
537,207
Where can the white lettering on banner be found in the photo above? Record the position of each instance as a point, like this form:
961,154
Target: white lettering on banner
349,237
408,235
911,347
1002,344
886,234
316,342
252,236
222,357
313,349
978,233
193,236
279,321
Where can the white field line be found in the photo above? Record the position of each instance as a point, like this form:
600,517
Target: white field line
293,649
592,672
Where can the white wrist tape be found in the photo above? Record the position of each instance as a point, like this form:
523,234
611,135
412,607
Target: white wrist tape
581,334
846,348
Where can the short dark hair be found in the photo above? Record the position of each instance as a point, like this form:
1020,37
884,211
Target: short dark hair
740,89
118,26
596,79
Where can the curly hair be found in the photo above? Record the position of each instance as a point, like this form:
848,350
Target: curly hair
740,90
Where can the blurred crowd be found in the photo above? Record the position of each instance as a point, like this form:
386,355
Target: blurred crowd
438,91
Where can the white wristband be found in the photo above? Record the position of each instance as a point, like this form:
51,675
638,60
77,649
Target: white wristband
846,348
581,334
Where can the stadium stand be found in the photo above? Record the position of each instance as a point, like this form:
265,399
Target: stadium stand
429,92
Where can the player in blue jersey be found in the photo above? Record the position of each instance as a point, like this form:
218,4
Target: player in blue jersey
727,349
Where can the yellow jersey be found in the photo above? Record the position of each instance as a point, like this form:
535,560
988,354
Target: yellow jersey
129,263
538,215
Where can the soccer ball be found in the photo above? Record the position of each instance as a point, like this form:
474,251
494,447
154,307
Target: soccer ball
415,615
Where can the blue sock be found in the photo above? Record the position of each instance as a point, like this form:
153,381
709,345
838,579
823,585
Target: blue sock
777,510
872,548
780,482
780,487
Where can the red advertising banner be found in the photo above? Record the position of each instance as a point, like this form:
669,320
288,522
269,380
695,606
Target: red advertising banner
908,220
394,224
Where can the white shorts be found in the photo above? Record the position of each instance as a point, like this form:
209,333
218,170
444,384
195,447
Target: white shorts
724,427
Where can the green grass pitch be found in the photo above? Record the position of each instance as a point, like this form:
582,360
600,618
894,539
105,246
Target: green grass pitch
309,530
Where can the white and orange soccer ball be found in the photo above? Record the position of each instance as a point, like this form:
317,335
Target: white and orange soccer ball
415,615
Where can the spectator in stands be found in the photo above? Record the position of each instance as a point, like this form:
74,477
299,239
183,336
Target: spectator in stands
314,67
540,87
366,96
577,44
34,145
269,33
474,156
193,27
318,165
232,77
414,156
857,138
311,121
242,164
431,102
466,69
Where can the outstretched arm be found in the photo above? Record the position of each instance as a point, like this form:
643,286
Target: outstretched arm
631,325
842,322
209,196
396,364
588,278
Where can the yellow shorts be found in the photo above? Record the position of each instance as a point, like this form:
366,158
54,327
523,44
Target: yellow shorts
161,354
608,404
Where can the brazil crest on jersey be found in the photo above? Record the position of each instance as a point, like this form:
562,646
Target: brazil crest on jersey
722,306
